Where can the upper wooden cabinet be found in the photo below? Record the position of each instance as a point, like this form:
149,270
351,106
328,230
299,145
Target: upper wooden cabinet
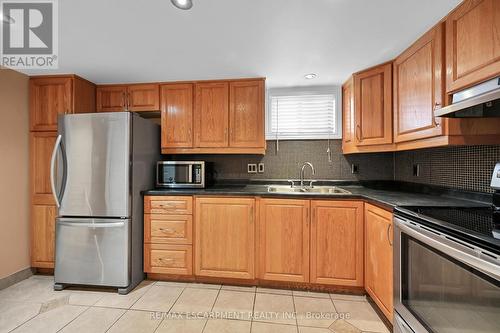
373,106
348,142
211,115
284,240
225,237
246,114
177,115
134,97
418,88
378,258
41,146
337,237
214,117
472,43
51,96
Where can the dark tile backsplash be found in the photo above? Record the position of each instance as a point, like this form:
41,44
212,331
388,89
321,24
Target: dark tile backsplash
286,163
465,168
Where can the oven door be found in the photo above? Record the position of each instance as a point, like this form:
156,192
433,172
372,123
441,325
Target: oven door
442,285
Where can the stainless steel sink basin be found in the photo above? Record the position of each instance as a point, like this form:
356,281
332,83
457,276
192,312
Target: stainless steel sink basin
315,189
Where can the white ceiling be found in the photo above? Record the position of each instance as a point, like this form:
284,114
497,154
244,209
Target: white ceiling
114,41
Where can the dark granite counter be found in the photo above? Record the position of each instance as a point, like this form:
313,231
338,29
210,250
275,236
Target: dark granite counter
389,198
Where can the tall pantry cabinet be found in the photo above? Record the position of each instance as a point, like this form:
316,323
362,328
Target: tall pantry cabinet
50,96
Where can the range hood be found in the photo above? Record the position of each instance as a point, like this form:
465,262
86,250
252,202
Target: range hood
482,100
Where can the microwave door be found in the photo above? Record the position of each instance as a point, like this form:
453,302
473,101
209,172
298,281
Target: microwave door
96,150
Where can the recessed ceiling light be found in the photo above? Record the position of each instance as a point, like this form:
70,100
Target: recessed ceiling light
183,4
310,76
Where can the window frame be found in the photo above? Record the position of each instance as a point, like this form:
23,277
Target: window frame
303,91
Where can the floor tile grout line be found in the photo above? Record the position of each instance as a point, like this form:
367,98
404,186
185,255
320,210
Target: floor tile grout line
211,309
114,323
295,311
72,320
170,309
253,309
24,322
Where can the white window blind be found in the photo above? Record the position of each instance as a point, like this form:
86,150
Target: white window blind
302,116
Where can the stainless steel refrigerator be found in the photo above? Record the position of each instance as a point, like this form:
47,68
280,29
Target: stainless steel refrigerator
100,164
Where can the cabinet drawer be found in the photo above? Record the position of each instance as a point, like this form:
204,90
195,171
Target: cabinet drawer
168,205
174,229
168,259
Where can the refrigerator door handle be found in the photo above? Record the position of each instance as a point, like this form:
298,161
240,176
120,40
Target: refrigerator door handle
93,225
52,170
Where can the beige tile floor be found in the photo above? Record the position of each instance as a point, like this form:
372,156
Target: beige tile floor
166,307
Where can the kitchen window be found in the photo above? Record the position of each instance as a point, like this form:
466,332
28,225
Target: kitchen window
297,114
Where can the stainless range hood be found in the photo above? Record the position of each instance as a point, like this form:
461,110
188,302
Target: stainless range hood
482,100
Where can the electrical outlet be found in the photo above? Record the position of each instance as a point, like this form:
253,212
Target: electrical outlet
416,170
260,168
354,168
252,168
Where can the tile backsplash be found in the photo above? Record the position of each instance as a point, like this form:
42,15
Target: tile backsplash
465,168
286,163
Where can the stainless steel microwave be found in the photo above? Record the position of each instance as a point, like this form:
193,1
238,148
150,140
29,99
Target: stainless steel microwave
180,174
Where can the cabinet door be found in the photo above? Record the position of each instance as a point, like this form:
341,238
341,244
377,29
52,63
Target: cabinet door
337,243
49,97
373,103
43,235
378,258
41,145
246,114
143,97
224,234
177,115
211,116
418,88
111,98
284,240
347,116
472,43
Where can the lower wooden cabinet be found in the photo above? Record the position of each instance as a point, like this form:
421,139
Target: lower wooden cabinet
225,237
43,219
337,242
284,240
379,258
168,259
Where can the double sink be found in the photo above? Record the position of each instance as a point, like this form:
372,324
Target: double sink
306,189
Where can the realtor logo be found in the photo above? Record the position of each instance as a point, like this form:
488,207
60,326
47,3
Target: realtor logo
29,34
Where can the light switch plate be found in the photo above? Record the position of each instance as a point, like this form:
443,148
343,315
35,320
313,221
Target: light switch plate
260,168
252,168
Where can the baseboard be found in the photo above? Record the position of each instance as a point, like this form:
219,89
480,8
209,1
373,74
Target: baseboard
15,278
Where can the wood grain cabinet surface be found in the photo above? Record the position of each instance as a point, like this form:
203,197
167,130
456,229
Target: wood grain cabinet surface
348,139
337,238
225,237
472,43
284,231
177,115
135,97
43,219
419,87
379,257
373,106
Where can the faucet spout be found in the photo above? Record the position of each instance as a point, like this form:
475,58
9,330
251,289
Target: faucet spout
302,169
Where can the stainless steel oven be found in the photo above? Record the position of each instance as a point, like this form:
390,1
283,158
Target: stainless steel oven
180,174
443,284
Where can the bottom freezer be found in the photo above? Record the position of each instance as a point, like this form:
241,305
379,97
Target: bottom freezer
93,251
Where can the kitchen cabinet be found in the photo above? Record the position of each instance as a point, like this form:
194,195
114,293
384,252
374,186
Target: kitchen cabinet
246,114
51,96
337,238
348,143
211,115
177,115
373,105
418,88
168,235
379,258
41,145
284,240
472,43
134,97
43,217
225,237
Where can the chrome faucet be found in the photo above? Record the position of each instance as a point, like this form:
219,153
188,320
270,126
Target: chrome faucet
302,174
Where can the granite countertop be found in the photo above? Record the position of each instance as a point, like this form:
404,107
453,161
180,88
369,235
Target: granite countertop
389,198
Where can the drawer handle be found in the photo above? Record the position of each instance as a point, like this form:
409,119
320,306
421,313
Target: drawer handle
166,230
166,260
167,205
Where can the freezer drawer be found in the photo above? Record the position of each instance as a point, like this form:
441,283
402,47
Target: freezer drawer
92,251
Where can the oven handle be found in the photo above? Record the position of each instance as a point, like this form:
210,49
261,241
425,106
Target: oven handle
446,245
